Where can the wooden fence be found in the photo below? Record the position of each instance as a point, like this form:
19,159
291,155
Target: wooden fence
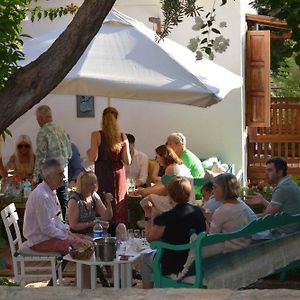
282,139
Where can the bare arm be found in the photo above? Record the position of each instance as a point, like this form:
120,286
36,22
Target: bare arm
92,153
126,157
158,189
270,208
106,213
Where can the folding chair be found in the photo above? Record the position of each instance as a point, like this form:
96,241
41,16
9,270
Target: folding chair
22,254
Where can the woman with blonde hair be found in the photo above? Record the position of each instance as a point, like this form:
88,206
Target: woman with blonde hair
22,161
110,151
85,204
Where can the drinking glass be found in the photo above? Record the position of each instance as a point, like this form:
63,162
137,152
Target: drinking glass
143,234
130,234
137,233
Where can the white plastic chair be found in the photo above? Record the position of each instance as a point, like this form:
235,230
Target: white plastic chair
21,253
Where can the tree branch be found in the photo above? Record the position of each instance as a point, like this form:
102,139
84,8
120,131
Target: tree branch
30,84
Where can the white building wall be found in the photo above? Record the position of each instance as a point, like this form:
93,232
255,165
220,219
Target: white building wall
217,130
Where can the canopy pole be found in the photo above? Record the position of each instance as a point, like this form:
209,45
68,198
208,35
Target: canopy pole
108,101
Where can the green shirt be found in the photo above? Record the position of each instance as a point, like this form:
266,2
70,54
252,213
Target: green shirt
287,195
193,163
195,166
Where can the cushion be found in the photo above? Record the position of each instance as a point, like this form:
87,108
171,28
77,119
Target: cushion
209,163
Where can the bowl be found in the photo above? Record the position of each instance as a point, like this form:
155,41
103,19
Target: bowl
82,254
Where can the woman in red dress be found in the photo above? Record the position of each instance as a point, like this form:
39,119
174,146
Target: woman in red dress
110,151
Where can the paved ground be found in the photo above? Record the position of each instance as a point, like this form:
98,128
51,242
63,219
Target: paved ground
68,293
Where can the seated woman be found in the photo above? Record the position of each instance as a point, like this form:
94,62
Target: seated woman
231,216
167,158
173,226
85,204
22,161
83,207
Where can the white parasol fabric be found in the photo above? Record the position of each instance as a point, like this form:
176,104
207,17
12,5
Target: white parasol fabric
125,61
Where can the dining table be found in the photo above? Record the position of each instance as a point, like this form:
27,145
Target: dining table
128,252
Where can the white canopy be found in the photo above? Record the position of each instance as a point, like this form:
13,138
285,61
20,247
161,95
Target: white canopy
124,61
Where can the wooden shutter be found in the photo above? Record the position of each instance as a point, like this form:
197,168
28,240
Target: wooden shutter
258,78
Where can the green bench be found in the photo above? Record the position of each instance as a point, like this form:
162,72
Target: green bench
239,268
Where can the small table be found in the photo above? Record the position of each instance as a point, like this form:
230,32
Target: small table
122,269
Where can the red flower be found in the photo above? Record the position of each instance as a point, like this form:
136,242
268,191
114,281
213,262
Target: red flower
16,179
8,266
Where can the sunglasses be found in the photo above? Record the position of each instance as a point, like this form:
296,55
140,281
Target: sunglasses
23,146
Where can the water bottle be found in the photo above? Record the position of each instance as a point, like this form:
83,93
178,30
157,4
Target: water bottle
97,229
26,188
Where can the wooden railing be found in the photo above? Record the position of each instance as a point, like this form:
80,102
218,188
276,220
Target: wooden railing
282,139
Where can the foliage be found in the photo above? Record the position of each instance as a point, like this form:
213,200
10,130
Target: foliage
38,12
288,10
174,13
5,133
287,79
208,44
253,187
6,282
11,15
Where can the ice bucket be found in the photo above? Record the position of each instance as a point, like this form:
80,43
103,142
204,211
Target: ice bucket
106,248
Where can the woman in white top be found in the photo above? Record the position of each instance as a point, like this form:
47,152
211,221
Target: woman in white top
158,194
229,217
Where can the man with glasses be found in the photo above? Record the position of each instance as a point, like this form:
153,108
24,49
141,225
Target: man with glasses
52,142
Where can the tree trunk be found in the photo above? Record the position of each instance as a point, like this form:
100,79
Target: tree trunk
30,84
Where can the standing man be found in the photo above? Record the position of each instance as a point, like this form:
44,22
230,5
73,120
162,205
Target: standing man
138,169
52,142
177,142
285,195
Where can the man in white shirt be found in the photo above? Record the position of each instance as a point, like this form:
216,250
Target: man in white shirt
43,226
138,169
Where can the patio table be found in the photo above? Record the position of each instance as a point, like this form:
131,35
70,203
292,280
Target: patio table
122,269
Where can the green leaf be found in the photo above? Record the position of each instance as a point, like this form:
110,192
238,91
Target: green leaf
215,30
203,41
